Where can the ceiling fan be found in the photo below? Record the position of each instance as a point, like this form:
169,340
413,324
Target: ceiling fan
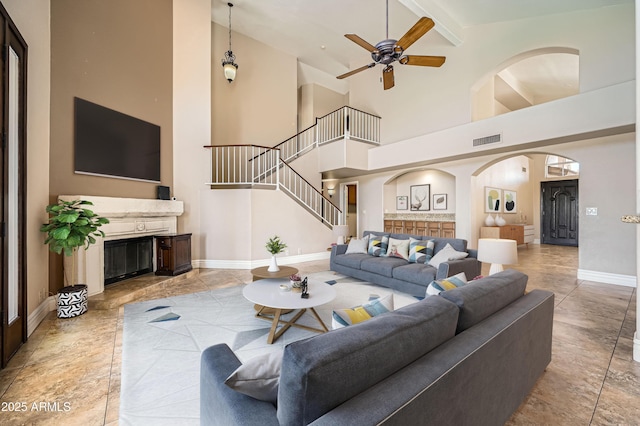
389,51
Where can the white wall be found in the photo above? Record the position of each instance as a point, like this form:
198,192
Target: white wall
238,223
425,100
509,174
260,106
32,17
607,181
191,111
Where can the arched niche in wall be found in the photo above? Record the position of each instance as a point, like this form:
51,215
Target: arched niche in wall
527,79
441,187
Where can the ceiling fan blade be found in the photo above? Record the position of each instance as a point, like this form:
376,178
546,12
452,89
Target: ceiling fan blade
424,61
357,70
421,27
388,80
360,42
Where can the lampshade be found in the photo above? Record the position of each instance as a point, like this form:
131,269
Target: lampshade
498,252
341,231
229,70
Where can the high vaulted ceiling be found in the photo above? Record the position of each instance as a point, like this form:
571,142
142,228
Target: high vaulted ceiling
313,31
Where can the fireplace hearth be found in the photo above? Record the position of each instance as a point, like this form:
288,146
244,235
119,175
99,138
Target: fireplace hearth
128,258
129,218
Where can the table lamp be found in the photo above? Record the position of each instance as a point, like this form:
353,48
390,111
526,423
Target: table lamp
341,231
498,252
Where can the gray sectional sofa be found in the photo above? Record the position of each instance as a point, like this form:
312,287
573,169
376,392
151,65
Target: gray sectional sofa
468,356
394,272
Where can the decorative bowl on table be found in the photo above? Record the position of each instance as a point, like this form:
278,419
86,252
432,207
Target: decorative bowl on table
296,282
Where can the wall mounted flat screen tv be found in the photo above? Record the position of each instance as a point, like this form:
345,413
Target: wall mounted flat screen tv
112,144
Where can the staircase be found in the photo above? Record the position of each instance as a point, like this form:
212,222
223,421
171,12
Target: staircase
254,166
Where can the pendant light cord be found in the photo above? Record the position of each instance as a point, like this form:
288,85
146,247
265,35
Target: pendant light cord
230,6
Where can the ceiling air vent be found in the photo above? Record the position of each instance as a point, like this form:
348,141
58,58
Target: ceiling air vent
487,140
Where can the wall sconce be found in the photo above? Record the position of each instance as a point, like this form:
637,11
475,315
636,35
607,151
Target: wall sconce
331,191
229,62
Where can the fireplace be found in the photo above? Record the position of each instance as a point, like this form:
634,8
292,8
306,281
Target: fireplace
128,258
129,219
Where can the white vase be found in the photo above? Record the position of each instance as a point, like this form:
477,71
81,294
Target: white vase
273,266
489,221
500,221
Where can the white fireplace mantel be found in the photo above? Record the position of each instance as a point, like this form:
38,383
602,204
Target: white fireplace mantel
128,218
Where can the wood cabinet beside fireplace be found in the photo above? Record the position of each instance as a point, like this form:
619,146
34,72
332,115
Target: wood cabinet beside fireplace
173,254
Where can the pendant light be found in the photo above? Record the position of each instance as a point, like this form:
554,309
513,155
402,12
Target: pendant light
229,65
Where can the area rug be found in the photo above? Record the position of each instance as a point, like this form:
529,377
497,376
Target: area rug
162,341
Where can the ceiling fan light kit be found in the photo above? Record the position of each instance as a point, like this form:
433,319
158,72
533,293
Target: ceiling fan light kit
229,65
389,51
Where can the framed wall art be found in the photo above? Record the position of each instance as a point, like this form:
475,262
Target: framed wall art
510,202
439,201
420,197
402,202
492,200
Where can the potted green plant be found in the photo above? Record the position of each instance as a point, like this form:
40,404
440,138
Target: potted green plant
274,246
71,225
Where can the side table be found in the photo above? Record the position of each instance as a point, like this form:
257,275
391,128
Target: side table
263,273
173,254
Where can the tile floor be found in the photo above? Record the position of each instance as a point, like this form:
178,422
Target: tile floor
69,370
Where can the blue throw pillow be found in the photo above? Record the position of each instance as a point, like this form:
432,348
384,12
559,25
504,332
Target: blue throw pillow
437,287
378,244
375,306
420,251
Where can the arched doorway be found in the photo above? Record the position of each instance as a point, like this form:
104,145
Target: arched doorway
543,188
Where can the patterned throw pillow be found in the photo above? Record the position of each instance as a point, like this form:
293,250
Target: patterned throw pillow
420,251
398,248
378,244
375,306
436,287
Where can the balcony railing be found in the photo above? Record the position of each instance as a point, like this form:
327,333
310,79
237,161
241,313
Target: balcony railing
243,165
349,123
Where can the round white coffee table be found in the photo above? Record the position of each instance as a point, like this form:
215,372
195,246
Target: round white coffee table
267,293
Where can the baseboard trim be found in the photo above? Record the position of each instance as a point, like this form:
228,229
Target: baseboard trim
250,264
40,313
607,278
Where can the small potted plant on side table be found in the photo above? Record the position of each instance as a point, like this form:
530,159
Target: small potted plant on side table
274,246
71,226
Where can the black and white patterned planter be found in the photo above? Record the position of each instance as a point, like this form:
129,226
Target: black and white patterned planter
72,301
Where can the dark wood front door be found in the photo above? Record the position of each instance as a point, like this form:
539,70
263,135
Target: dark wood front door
560,212
13,291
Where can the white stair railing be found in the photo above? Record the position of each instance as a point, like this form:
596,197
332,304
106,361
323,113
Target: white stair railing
253,166
297,145
308,196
